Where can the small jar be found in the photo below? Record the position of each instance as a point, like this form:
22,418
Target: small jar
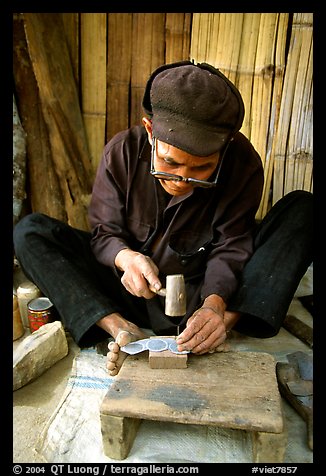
25,293
18,328
40,312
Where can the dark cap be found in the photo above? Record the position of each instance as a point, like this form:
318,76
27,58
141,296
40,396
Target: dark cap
193,107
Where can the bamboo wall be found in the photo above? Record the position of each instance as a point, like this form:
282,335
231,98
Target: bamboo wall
88,71
268,56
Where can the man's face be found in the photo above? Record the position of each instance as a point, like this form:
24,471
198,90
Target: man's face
171,160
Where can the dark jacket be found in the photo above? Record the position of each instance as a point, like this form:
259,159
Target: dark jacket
206,235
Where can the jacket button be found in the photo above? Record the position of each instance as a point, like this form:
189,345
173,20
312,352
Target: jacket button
184,261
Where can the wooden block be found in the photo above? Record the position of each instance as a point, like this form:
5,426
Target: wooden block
167,360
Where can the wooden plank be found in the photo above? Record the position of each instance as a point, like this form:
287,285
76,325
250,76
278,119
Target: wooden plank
44,191
147,55
118,72
60,105
177,36
71,27
299,329
232,390
93,81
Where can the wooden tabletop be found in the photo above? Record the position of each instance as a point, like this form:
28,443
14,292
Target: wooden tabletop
233,390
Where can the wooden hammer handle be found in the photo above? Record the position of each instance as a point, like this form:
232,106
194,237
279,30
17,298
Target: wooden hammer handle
161,292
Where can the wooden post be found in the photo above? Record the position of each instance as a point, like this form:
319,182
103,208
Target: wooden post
118,435
268,447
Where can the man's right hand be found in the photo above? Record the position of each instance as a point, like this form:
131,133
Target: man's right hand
139,272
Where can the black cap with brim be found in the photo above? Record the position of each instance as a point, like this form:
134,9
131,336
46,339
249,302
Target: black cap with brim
193,107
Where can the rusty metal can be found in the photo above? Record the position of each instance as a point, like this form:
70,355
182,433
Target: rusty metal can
40,312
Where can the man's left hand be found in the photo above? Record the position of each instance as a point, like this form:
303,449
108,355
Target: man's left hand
205,331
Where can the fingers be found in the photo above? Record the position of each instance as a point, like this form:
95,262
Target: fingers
204,332
140,272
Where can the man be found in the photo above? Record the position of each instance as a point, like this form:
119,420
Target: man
175,195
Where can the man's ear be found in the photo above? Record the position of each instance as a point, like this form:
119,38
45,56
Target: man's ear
148,126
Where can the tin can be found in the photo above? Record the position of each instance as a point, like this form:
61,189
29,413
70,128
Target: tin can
40,312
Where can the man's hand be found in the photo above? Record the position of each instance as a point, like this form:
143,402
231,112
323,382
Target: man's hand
205,329
139,272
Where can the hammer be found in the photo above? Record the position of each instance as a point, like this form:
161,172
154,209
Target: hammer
175,296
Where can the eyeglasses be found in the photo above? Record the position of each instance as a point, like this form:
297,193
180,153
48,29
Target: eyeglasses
179,178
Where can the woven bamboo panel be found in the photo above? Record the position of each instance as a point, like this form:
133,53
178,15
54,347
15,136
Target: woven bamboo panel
249,48
293,150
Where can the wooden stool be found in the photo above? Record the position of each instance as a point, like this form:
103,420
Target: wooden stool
235,390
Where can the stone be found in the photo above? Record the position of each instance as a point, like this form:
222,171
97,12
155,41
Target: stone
38,352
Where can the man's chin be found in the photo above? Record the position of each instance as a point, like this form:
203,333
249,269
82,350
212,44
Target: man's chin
174,190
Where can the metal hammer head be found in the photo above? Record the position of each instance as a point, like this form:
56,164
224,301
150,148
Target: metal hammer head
175,295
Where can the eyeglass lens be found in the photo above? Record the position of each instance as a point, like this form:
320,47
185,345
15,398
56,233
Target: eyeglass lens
179,178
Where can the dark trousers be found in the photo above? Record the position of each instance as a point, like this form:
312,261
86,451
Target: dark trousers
59,260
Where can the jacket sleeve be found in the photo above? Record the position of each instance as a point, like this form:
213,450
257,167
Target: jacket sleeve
233,235
107,206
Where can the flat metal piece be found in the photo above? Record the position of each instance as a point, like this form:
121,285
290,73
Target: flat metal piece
154,345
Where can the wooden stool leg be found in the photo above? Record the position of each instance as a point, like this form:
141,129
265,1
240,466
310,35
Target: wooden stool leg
118,435
269,447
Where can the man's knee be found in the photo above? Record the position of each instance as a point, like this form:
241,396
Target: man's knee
295,209
301,199
28,225
302,207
